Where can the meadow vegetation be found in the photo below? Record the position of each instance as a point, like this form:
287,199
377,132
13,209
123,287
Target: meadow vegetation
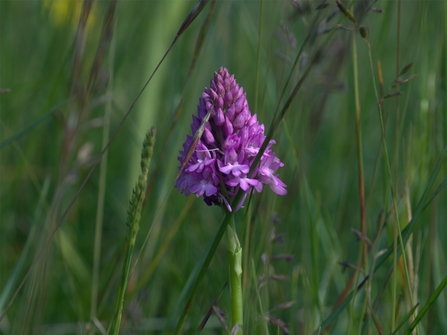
355,95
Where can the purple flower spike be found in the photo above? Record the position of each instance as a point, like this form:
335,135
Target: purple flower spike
219,166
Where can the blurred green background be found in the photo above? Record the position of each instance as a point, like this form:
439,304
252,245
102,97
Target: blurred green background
59,102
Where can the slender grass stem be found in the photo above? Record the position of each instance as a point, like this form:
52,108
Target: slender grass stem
396,166
101,189
258,295
125,276
258,60
358,127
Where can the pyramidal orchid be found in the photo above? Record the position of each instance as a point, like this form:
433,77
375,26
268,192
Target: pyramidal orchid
230,138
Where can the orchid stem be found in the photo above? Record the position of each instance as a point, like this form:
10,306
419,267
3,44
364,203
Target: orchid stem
235,256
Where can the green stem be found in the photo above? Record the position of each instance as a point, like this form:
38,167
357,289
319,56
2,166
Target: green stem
235,256
102,188
123,284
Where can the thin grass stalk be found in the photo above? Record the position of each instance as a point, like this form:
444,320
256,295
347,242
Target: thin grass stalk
397,128
396,172
357,287
358,129
102,187
264,289
78,104
358,132
445,86
395,256
306,40
445,104
315,282
376,321
409,254
375,304
258,58
247,233
125,273
361,253
404,255
258,295
382,147
112,275
133,220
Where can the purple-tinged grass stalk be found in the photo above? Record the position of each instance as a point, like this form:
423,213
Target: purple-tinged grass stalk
217,160
133,220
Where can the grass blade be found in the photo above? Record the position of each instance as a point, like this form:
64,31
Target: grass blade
408,316
430,302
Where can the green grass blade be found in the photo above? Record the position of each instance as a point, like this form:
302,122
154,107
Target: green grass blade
439,189
427,305
407,317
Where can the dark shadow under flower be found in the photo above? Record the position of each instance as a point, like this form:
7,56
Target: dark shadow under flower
230,141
